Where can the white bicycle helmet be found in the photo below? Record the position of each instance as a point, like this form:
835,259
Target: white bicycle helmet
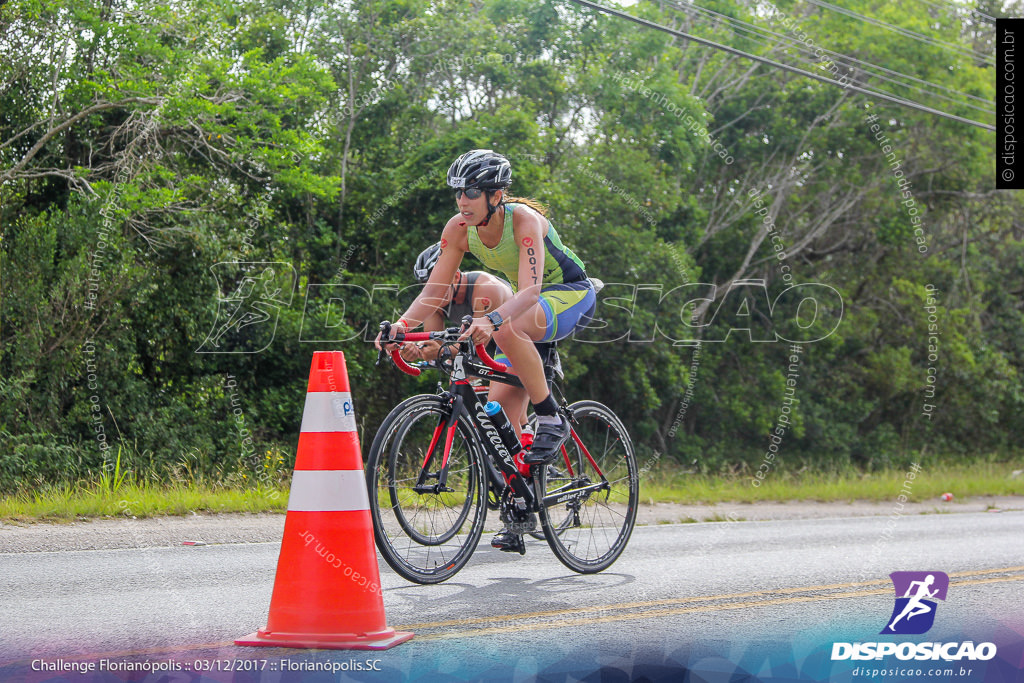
425,262
480,168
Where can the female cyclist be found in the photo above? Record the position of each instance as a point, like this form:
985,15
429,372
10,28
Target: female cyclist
553,295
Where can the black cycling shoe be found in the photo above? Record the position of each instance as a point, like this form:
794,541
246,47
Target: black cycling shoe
546,442
508,542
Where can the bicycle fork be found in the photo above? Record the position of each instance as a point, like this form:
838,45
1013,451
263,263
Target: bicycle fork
446,426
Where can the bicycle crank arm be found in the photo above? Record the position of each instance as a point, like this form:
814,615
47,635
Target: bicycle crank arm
432,488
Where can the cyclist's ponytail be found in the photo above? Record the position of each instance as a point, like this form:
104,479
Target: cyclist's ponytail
532,203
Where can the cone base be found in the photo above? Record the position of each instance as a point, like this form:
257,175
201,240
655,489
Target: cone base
381,640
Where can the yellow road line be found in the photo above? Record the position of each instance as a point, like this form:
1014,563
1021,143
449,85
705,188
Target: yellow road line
979,572
679,601
633,605
647,614
643,615
981,581
181,649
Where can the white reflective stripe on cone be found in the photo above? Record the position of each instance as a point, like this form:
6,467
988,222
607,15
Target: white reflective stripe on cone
328,491
328,411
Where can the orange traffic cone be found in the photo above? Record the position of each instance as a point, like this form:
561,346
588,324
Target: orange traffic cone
327,591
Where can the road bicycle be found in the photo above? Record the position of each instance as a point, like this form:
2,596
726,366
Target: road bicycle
438,463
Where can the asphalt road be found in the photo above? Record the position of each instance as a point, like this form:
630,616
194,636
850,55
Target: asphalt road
709,596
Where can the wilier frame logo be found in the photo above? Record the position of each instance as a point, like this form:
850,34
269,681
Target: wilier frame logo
916,593
247,317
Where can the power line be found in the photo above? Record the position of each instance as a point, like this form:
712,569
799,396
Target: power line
780,65
987,18
848,59
913,35
844,60
920,37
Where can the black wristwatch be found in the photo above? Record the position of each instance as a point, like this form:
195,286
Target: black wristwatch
495,319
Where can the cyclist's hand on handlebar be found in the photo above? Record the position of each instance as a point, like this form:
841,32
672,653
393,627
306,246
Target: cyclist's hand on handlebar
422,351
427,350
480,331
396,328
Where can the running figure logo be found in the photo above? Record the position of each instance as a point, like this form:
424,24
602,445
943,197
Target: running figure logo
247,317
914,612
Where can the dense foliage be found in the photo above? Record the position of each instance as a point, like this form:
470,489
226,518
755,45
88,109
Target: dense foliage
198,195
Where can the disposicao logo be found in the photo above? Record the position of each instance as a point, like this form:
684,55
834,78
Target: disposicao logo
913,614
916,592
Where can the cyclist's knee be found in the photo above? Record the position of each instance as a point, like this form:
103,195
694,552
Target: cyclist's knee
510,333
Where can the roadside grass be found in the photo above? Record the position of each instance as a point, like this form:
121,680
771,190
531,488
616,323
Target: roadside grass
192,485
667,484
65,502
124,496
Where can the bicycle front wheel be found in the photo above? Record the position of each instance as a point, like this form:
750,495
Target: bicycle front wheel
426,532
590,492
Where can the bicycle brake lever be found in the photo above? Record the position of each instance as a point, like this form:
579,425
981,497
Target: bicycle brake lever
385,334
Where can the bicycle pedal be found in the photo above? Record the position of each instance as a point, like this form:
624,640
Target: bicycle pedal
515,548
508,542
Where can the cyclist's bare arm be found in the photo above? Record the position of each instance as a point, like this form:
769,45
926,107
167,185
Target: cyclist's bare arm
435,291
426,350
434,322
528,232
432,298
489,293
529,229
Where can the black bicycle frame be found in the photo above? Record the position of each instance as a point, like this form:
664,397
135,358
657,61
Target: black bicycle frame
463,399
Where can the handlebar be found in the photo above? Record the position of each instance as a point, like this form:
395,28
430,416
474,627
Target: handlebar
396,357
486,359
448,336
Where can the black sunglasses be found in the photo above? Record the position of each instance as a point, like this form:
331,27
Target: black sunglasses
472,193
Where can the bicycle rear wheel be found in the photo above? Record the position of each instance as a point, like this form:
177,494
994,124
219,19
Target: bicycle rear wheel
425,535
590,491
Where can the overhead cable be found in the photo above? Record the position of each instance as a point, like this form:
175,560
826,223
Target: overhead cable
780,65
920,37
842,59
987,18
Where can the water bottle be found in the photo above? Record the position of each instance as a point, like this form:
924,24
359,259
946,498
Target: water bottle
500,420
526,437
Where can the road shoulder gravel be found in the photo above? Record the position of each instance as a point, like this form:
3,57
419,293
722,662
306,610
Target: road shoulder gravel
210,529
